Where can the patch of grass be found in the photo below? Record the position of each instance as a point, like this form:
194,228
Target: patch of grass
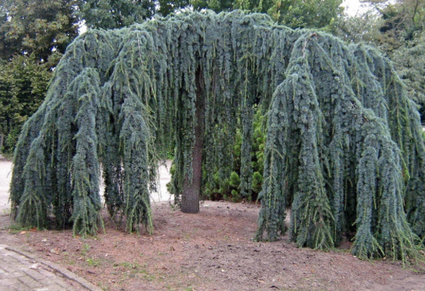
131,266
134,269
149,277
86,248
93,262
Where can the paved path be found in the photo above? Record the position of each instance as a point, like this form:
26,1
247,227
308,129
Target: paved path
22,272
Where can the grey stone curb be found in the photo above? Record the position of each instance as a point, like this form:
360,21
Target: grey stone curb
64,272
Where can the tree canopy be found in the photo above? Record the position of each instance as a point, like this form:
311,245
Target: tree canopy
36,27
114,14
23,84
41,30
292,13
397,30
344,148
410,64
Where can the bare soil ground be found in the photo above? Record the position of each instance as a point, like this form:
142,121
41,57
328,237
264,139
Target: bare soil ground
212,250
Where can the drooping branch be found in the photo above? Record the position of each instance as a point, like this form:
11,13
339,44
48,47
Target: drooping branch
344,149
340,164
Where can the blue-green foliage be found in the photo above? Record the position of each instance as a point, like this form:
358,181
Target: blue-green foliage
342,152
85,163
342,142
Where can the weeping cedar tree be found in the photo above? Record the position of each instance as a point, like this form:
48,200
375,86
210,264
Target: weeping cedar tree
344,146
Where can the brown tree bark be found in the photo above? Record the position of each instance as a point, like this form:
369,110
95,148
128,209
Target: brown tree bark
192,188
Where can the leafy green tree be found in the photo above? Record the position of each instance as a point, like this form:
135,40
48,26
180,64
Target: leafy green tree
398,31
306,13
23,84
33,36
109,14
403,18
292,13
402,38
167,7
357,29
216,5
400,21
37,27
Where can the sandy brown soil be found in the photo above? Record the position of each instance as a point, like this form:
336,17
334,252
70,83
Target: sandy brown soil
212,250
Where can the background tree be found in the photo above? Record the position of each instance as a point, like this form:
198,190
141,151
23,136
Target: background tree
167,7
23,84
37,27
409,62
358,29
114,13
403,18
215,5
292,13
33,36
397,29
402,39
306,14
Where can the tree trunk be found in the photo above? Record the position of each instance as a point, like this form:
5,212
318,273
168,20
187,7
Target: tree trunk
192,188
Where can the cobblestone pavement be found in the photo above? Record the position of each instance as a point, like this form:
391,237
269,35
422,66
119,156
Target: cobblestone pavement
22,272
